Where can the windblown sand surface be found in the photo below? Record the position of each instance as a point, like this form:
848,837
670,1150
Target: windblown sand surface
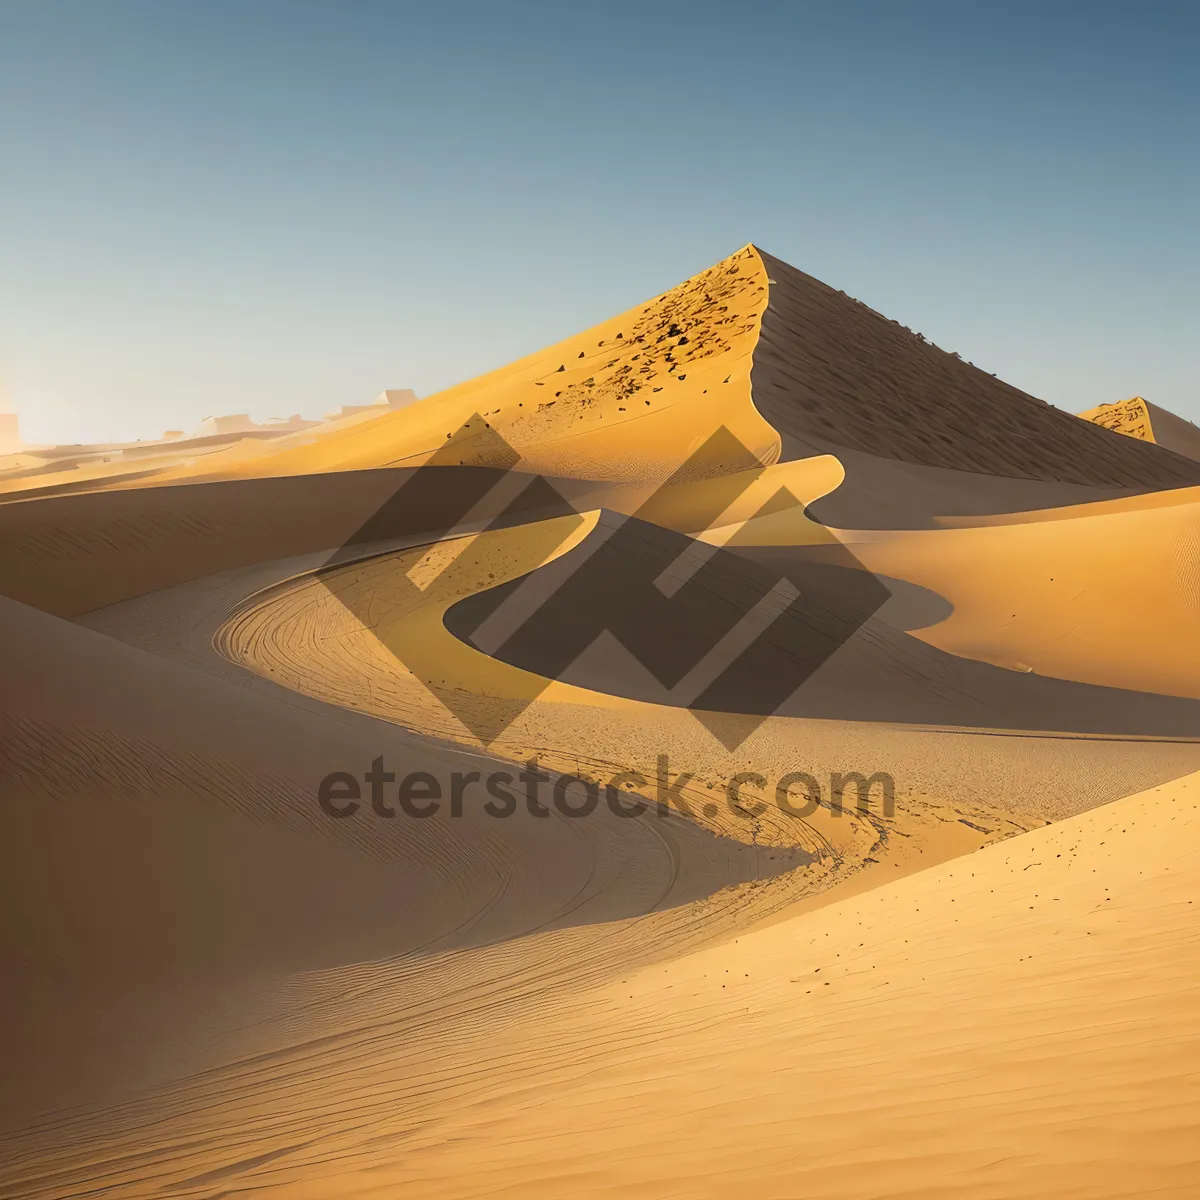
1138,418
1018,1023
974,982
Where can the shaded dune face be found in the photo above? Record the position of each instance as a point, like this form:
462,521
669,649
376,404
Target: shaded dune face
830,372
71,555
674,606
1174,433
921,433
830,650
747,530
166,854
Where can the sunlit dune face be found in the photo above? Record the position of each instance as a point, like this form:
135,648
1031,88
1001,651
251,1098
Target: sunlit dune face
809,962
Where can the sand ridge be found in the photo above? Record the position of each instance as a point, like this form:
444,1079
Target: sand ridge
1139,419
626,401
976,983
1068,595
832,373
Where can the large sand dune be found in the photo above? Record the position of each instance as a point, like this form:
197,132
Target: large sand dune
789,366
971,981
1019,1023
167,859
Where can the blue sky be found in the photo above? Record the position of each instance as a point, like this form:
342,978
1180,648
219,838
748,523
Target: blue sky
278,207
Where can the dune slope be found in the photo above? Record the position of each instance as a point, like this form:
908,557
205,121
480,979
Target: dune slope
1139,419
854,619
1107,594
171,883
830,372
1019,1023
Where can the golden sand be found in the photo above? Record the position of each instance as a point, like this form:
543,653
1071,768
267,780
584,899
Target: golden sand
981,990
1130,418
1108,593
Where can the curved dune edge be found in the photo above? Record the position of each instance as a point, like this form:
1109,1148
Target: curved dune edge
768,506
831,1058
1108,595
220,933
625,401
310,636
974,1029
631,398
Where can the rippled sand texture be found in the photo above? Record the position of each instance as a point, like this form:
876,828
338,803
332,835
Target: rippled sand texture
975,985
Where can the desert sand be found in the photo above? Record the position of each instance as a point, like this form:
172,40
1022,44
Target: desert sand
1138,418
971,981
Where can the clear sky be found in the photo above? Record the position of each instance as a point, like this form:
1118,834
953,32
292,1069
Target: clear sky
241,205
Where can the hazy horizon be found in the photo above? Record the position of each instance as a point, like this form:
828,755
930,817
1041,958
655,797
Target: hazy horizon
279,208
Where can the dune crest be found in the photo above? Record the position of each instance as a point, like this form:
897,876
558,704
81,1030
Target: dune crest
842,704
625,401
1067,595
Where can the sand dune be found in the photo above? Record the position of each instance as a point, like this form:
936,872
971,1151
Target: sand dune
941,1028
789,366
1108,594
1138,418
940,1035
747,532
167,856
70,555
830,373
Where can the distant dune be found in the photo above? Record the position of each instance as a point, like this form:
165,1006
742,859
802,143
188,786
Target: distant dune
1146,422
